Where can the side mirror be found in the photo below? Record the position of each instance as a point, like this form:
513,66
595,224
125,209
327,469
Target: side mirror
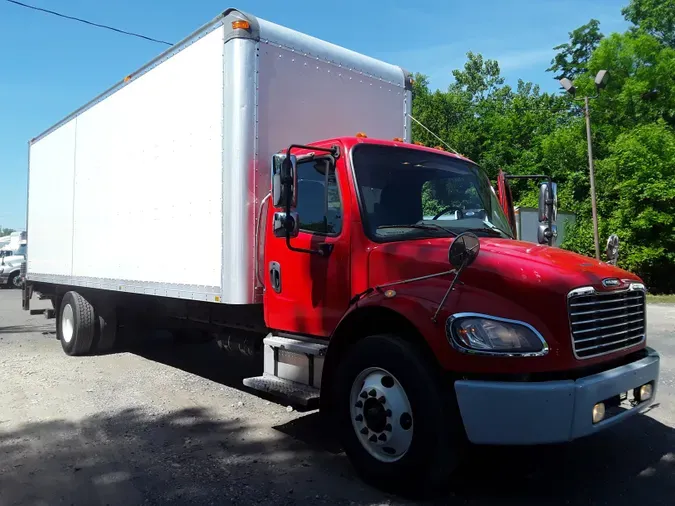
284,180
546,234
286,224
612,249
463,250
548,202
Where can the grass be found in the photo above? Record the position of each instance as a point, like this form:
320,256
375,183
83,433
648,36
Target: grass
661,299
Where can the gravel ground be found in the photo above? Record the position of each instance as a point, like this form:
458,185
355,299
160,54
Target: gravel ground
166,423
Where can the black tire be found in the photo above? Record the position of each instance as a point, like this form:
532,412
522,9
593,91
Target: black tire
438,440
105,339
12,281
83,322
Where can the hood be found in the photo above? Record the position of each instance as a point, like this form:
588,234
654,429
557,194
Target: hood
500,263
509,279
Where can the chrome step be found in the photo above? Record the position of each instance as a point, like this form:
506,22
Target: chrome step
292,369
291,391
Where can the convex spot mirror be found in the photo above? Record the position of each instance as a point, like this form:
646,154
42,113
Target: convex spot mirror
284,180
463,250
613,249
547,234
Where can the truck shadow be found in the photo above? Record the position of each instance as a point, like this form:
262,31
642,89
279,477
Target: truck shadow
188,456
203,359
628,465
134,456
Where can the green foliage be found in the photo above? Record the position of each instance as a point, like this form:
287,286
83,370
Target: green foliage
655,17
573,56
525,131
6,231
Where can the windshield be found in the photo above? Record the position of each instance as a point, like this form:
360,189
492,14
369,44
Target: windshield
408,193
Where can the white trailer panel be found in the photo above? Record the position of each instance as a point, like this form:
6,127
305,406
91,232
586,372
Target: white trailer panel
50,202
149,164
184,146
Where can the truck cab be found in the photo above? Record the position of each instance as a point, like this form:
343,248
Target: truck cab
498,342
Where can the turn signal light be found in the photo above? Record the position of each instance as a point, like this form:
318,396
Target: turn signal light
361,135
397,139
241,24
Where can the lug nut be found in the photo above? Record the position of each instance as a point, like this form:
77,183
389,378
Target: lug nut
359,418
364,431
372,393
387,427
383,437
382,399
364,395
373,439
388,412
358,404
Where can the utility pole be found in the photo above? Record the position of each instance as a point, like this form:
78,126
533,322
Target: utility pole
591,168
600,82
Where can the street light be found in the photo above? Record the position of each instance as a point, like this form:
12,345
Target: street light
601,79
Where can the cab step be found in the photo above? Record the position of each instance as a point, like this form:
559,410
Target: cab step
292,369
290,391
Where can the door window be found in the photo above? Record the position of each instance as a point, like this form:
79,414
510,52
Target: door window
319,205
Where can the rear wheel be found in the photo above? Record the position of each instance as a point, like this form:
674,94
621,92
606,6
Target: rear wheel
399,425
76,324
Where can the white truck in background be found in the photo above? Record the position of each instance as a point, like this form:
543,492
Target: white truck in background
12,255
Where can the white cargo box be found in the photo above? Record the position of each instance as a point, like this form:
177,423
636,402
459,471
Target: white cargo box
183,145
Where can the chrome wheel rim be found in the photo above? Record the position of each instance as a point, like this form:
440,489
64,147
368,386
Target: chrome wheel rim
67,323
381,414
17,281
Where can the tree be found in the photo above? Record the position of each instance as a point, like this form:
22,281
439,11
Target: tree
655,17
6,231
637,201
573,56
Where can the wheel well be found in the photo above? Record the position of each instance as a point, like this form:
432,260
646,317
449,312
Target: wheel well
362,323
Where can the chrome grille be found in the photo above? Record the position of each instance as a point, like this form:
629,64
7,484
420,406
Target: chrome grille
604,322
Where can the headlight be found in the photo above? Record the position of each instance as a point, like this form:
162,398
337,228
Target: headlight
475,333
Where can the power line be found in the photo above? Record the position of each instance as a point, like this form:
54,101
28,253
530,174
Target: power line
124,32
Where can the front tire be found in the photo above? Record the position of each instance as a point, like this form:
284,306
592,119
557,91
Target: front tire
399,425
76,324
14,280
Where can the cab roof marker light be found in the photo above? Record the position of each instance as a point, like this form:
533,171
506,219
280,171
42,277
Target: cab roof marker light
241,24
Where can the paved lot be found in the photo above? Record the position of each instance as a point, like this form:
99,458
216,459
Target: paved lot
165,423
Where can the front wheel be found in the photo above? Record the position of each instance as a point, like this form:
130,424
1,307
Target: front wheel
14,280
399,424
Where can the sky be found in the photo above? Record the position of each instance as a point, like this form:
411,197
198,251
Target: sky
51,66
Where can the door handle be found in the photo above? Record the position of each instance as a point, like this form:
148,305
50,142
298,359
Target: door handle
275,276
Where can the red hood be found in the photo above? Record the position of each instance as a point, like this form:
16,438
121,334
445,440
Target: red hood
519,262
509,279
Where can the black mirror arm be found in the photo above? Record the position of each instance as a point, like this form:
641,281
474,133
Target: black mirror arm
324,249
450,288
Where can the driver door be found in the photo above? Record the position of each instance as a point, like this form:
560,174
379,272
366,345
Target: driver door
310,292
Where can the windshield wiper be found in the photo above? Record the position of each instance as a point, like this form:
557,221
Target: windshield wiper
492,229
421,226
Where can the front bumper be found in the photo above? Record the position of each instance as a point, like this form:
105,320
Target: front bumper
4,278
499,412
